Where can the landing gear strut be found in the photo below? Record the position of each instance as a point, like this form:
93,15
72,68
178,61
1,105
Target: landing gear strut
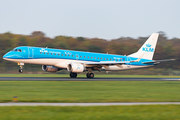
73,75
90,75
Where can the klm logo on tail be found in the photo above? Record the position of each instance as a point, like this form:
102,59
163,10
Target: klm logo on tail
148,48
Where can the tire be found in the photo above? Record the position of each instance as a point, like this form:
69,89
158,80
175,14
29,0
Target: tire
90,75
87,75
73,75
20,71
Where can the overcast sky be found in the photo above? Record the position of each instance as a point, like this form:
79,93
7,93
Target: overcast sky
107,19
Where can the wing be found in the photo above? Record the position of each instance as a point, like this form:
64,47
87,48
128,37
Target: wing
106,63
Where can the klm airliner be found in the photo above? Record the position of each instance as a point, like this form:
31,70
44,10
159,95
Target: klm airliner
53,60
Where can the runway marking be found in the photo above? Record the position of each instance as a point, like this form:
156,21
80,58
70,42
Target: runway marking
89,104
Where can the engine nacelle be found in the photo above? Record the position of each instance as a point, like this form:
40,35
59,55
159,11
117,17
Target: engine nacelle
49,68
75,67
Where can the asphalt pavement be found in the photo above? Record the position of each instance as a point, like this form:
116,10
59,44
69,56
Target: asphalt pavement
83,79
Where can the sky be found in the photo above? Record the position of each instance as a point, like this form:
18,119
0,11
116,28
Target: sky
106,19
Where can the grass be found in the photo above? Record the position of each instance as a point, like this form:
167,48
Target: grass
141,112
90,91
83,75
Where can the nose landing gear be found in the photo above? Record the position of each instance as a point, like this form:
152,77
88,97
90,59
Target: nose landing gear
21,67
20,70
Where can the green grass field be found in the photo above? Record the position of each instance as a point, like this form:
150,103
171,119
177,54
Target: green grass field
84,75
148,112
90,91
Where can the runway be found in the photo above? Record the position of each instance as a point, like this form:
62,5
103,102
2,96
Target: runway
83,79
89,104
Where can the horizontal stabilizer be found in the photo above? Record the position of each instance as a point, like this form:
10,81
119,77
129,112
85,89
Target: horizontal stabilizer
158,61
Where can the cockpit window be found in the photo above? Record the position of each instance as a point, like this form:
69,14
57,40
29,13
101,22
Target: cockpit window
17,50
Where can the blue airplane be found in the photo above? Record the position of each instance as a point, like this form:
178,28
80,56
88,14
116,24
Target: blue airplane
53,60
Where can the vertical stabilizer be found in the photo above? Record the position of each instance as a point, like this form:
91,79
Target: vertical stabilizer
148,48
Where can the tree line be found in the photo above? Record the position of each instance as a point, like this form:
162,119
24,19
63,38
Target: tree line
166,48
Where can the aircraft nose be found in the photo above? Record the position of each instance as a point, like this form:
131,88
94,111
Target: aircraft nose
5,57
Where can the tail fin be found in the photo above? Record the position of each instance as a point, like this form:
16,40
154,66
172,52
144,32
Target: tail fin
148,48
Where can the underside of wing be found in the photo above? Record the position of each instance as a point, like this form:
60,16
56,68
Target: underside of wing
106,63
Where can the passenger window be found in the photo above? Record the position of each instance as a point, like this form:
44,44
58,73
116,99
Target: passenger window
69,55
72,55
84,56
94,57
54,53
51,53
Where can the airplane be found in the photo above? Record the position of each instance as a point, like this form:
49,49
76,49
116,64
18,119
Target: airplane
53,60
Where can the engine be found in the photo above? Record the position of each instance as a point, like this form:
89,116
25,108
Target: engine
75,67
49,68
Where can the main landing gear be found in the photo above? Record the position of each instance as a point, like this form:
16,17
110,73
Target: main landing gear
73,75
90,75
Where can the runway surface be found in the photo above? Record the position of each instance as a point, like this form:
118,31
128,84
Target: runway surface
88,104
83,79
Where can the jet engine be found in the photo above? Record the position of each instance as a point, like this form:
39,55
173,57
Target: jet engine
76,68
49,68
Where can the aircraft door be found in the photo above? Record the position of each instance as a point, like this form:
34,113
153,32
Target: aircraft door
128,59
30,52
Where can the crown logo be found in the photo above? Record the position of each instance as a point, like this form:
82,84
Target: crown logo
148,45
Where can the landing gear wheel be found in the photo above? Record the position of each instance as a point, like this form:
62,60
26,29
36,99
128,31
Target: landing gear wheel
90,75
87,75
73,75
20,71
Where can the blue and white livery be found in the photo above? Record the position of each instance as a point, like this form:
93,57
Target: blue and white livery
53,60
